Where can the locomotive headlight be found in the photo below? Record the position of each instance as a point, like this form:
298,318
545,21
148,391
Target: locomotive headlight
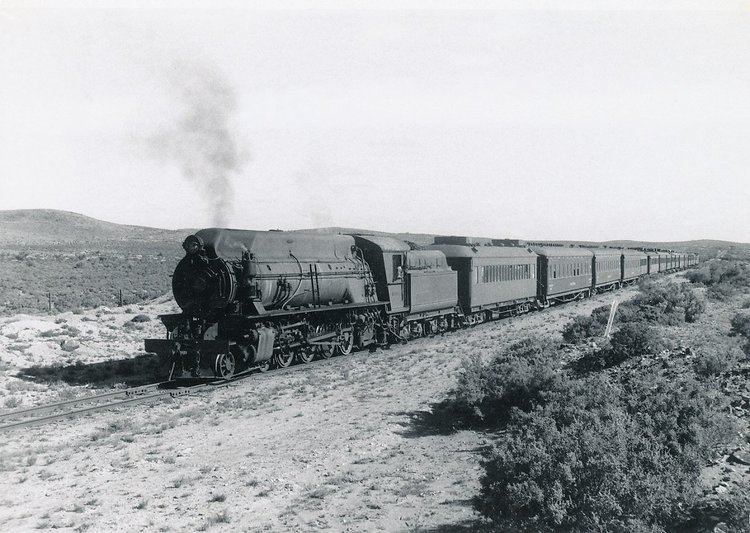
192,244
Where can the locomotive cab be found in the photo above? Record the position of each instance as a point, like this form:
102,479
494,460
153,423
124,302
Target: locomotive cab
419,285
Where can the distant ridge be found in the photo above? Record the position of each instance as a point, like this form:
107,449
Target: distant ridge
51,226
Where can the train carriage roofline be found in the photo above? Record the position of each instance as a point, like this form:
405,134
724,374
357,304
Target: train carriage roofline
499,252
630,252
561,251
606,252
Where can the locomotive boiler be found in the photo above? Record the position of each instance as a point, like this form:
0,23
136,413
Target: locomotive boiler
255,298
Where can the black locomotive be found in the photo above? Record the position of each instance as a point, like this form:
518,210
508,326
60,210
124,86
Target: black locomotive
257,299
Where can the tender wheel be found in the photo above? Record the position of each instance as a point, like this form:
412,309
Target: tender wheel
405,333
417,330
224,365
347,342
305,356
283,360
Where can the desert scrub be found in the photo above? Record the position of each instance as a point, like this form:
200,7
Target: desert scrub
520,376
602,456
730,273
632,340
657,303
667,303
741,324
582,328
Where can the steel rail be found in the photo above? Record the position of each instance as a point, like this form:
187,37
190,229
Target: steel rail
76,412
132,396
124,393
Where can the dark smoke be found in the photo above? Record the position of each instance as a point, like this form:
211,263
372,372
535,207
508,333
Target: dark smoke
202,142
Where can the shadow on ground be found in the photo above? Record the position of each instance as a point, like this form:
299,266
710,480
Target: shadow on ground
443,418
133,372
439,420
465,526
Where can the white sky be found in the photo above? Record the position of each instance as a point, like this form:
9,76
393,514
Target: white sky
544,123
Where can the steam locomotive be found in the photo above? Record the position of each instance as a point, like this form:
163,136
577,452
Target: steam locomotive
262,299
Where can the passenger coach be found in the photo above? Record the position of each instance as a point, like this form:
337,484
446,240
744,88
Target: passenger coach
607,268
564,273
493,281
634,265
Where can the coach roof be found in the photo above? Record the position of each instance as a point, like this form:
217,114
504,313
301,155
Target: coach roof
458,250
562,251
606,252
633,253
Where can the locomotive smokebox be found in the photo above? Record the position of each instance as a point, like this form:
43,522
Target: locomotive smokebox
203,285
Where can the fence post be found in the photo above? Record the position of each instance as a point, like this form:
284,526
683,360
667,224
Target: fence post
611,319
49,301
120,297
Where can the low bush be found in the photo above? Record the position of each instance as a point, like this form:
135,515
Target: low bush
632,340
724,278
521,376
741,324
668,303
708,365
659,303
731,510
582,328
602,457
720,291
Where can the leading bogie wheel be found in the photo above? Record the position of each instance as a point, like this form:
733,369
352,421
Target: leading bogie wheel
224,365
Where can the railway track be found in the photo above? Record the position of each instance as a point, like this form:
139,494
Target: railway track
42,414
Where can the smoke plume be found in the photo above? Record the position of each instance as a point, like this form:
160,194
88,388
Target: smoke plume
202,142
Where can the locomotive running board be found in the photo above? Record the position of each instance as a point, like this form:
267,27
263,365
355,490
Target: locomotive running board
320,309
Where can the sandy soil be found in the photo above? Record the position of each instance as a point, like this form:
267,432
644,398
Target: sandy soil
334,445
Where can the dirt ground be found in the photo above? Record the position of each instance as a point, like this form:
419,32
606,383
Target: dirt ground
335,445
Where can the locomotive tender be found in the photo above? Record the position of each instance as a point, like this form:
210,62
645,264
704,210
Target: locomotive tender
261,299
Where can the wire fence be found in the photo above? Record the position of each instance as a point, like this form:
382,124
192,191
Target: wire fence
55,302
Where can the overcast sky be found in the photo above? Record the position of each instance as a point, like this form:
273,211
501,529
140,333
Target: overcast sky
544,123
